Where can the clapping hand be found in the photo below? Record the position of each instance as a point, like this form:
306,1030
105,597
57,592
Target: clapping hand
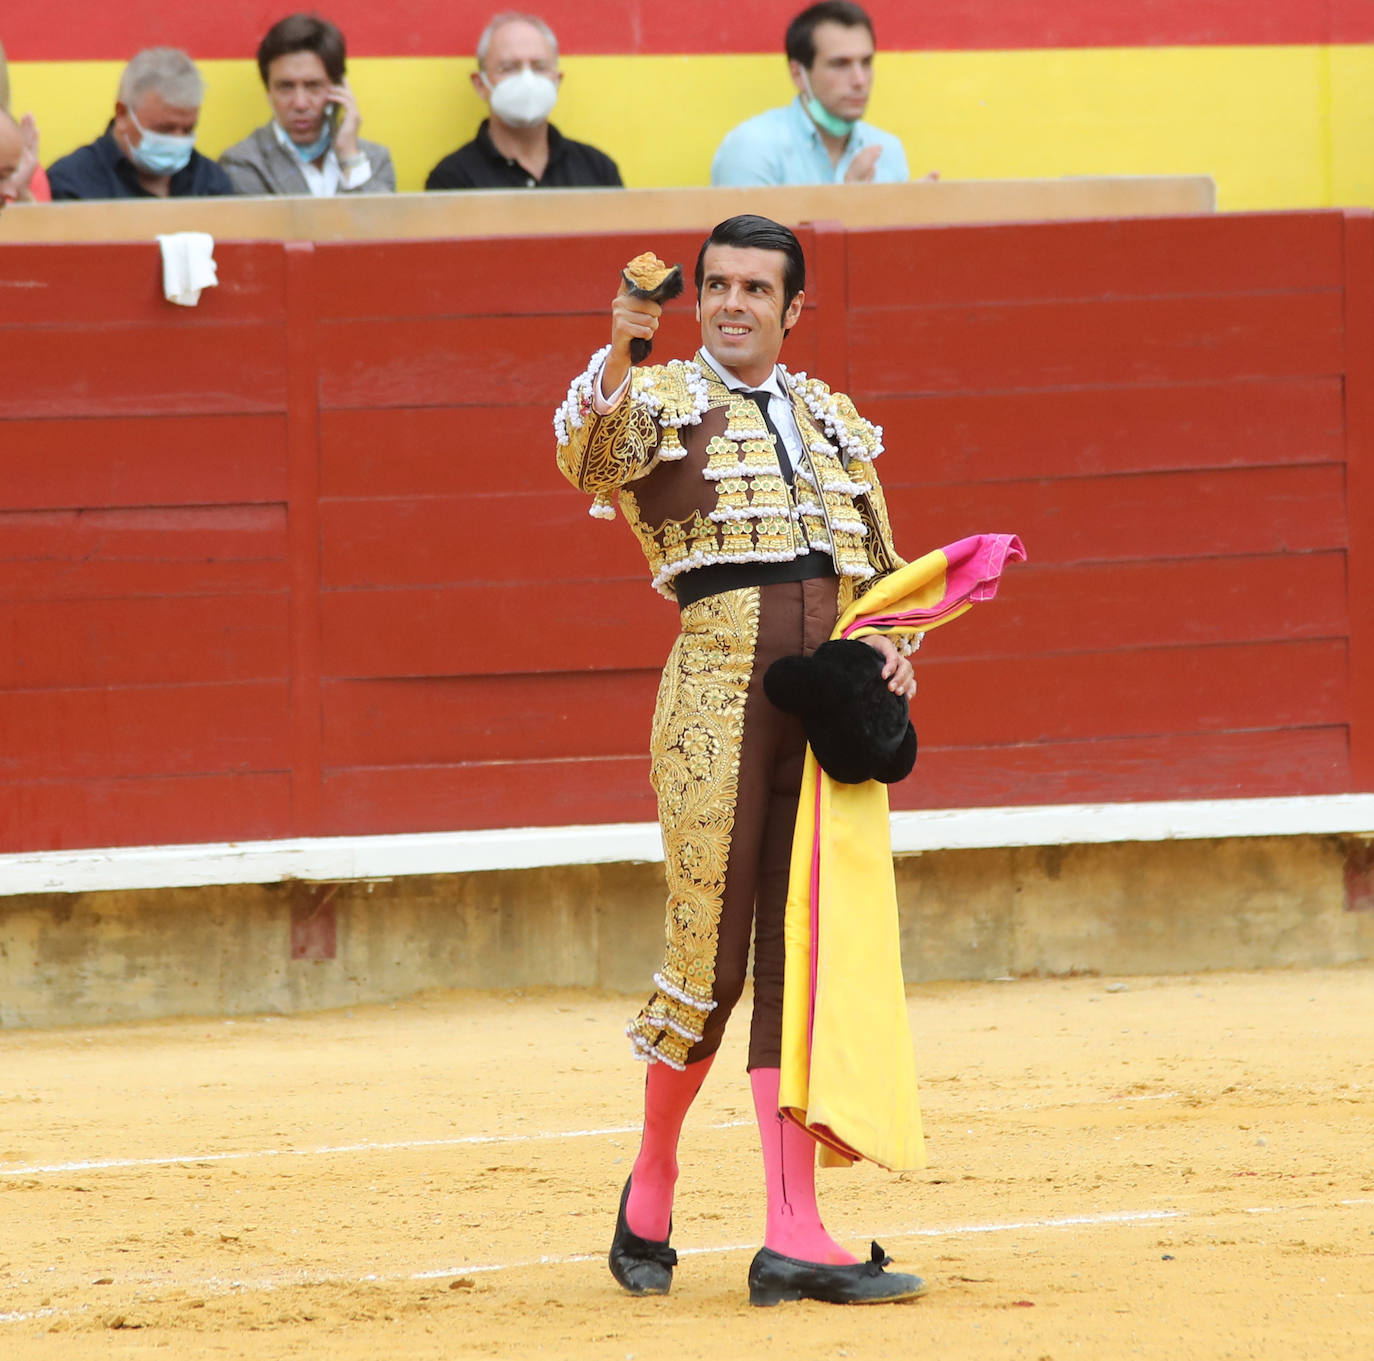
16,187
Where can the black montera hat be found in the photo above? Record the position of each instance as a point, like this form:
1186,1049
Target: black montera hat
858,729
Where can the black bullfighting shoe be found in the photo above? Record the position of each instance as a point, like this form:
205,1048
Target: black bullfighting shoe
641,1265
774,1278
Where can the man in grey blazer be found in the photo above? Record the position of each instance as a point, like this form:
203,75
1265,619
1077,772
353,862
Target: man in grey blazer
311,146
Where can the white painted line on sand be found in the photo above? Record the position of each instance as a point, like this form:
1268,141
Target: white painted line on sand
1063,1222
1067,1105
285,1280
1107,1219
401,1145
184,1159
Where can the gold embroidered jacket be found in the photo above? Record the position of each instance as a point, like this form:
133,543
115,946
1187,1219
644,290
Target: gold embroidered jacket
693,469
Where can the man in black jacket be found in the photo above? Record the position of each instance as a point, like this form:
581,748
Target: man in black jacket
148,148
517,147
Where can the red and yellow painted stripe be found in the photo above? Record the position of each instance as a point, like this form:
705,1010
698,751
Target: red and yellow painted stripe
1275,100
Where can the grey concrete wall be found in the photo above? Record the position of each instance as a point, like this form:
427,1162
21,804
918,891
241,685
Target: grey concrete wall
1123,908
1131,907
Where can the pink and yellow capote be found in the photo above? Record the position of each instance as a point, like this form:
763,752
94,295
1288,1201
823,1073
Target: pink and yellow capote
848,1068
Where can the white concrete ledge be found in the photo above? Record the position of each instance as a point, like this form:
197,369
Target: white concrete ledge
1071,824
329,859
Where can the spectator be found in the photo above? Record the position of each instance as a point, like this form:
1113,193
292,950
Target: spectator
23,182
517,147
148,149
11,151
818,138
311,145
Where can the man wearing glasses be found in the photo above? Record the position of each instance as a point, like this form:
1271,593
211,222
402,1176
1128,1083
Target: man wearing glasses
517,147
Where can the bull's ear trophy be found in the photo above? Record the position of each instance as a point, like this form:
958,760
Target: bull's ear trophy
647,277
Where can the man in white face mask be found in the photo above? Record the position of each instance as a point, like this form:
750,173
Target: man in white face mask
148,150
517,147
819,138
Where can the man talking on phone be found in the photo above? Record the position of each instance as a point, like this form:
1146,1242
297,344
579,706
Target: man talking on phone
311,146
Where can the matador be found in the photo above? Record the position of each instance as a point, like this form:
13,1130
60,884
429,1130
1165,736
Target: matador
753,494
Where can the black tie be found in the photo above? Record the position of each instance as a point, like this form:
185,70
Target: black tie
760,399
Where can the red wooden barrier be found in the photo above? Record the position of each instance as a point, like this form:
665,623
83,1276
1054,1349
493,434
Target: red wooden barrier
298,561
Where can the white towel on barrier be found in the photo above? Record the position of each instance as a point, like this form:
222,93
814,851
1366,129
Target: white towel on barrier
188,265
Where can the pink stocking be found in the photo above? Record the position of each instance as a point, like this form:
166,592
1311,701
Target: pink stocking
667,1096
794,1226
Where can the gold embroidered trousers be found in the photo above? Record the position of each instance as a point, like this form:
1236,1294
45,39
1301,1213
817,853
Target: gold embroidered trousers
727,767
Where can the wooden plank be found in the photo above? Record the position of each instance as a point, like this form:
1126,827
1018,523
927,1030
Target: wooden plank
432,630
102,283
51,815
409,541
423,451
453,361
961,703
827,288
491,276
1258,764
892,268
1244,512
1076,432
143,461
1359,407
502,794
151,730
452,719
930,439
1175,690
556,793
75,371
961,348
146,641
303,447
656,212
164,534
1102,607
1087,607
101,579
495,630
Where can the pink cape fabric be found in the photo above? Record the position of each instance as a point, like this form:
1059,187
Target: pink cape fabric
848,1070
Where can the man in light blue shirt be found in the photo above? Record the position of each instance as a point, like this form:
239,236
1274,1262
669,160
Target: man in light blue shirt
819,138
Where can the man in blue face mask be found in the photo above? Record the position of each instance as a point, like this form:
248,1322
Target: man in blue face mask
820,137
312,145
148,149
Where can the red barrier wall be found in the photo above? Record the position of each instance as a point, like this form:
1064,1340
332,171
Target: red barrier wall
298,561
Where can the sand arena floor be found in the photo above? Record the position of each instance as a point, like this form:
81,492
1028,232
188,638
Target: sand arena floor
1171,1167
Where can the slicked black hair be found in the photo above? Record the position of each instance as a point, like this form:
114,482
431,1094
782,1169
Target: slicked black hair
751,232
800,43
